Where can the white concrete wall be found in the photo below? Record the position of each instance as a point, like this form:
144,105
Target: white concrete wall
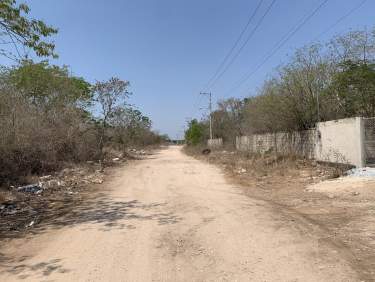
244,143
340,141
215,143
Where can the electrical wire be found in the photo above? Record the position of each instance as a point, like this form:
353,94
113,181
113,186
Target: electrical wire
235,44
244,44
351,11
278,46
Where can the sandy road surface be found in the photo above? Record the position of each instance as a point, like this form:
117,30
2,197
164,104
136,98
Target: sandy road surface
172,218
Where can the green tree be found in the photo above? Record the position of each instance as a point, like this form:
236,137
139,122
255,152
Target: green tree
354,88
195,133
49,86
19,31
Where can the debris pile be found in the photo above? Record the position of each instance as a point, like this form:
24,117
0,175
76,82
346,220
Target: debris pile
24,206
136,152
32,188
67,179
8,208
241,170
362,172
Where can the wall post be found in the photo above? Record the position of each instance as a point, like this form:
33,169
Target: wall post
362,152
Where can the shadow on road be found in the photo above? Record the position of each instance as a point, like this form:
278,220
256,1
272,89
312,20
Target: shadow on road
22,270
94,208
110,214
100,212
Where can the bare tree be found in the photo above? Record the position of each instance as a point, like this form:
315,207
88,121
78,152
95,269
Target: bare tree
109,95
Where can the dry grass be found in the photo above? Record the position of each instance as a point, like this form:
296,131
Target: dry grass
261,165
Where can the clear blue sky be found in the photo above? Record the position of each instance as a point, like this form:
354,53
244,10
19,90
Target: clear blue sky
168,49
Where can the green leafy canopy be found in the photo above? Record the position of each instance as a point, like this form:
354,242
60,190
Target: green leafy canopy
19,31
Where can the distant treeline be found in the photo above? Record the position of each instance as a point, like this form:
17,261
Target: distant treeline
320,82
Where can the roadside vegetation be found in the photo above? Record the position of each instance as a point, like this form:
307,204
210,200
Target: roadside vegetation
319,82
50,117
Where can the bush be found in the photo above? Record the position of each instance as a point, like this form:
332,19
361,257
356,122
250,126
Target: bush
45,122
195,133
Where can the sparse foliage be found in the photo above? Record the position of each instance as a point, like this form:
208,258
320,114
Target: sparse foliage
18,32
110,96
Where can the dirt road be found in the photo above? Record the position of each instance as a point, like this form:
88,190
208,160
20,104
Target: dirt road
172,218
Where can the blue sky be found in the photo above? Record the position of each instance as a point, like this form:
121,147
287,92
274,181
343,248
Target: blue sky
169,49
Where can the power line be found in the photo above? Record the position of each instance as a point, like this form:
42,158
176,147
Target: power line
244,44
235,44
279,45
351,11
198,99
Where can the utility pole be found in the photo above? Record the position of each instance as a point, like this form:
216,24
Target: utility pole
317,107
210,109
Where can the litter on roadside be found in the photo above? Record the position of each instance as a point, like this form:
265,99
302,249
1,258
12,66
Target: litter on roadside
362,172
31,188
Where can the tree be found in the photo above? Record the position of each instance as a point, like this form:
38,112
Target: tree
195,133
354,87
266,111
110,96
46,86
228,120
358,45
17,30
130,127
49,92
44,119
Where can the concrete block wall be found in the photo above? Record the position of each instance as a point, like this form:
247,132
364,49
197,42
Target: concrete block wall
244,143
337,141
300,143
215,143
